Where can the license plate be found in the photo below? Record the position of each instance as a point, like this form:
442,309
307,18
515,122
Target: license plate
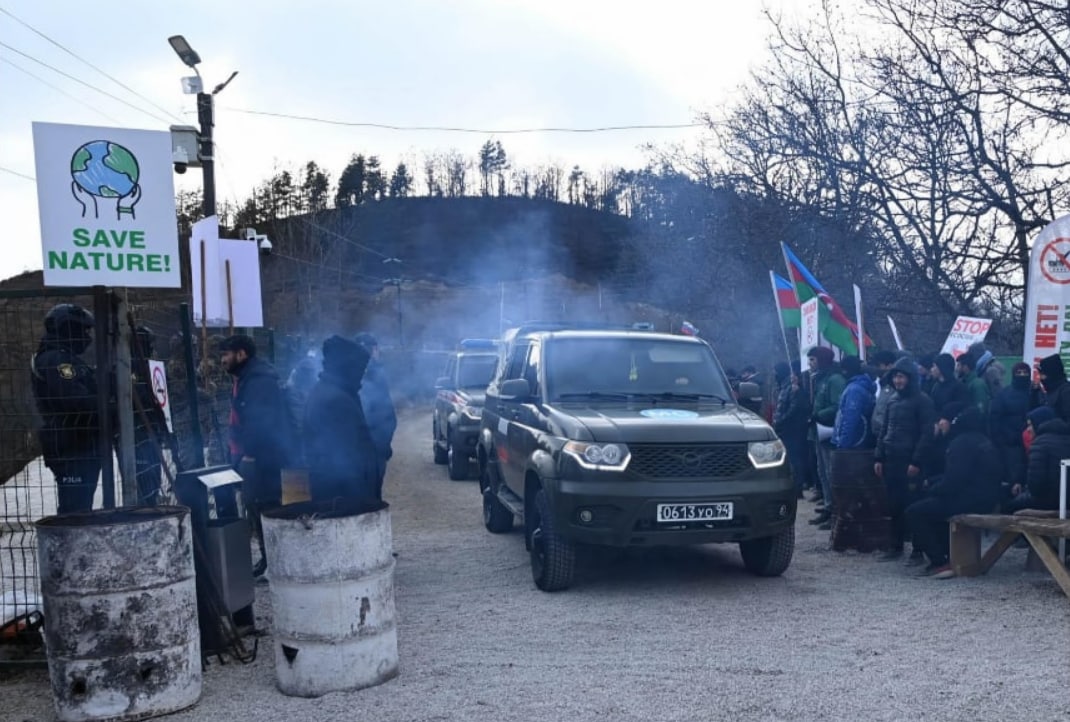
670,513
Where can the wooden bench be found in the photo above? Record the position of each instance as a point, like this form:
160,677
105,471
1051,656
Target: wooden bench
1036,527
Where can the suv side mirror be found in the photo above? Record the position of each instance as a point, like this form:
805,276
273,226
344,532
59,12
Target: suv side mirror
442,382
515,390
749,390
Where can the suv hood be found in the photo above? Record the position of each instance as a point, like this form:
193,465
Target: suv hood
659,424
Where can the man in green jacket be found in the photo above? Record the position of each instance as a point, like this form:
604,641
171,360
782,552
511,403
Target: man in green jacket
980,396
827,384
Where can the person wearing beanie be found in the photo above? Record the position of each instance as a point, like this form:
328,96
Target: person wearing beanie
1006,422
339,449
852,430
925,379
1050,445
1056,389
1033,420
946,388
988,368
883,361
966,367
970,484
902,448
827,384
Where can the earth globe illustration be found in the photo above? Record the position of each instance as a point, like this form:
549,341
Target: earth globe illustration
105,169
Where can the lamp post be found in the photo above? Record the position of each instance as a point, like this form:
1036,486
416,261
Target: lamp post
205,116
396,281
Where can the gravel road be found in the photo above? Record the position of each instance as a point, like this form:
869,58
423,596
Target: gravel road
676,634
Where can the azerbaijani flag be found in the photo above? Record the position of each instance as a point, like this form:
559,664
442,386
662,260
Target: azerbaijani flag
834,324
786,302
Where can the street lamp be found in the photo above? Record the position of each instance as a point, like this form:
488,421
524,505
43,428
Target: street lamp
205,115
396,281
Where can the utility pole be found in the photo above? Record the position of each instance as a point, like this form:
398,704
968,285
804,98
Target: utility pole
205,116
396,281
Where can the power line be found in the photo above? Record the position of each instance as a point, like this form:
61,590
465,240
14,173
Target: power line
351,242
82,82
20,175
75,55
325,268
481,131
57,88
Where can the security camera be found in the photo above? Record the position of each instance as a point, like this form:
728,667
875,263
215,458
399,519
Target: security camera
180,168
265,246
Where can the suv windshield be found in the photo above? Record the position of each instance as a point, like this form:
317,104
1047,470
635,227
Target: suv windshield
475,372
632,367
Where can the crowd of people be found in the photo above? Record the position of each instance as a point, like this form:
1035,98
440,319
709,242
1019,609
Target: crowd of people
333,417
947,436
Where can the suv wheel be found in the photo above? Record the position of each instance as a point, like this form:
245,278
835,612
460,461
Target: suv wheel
553,558
457,464
496,517
769,556
441,455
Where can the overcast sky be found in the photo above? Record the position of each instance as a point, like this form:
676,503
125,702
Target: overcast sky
481,64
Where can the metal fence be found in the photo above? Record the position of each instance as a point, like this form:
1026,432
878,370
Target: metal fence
27,485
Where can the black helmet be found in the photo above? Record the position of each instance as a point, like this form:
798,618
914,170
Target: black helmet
69,320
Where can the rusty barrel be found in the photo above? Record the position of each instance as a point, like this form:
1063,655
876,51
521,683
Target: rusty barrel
331,572
120,607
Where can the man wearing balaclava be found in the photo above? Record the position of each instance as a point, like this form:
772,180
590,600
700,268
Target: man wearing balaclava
1057,390
1007,422
339,450
65,389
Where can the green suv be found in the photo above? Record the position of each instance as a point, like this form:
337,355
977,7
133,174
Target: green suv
619,438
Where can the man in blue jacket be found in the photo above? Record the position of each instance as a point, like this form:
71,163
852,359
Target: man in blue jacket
378,407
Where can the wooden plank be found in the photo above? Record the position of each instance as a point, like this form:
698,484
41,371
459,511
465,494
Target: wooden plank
985,521
1057,528
1038,513
965,549
994,552
1051,561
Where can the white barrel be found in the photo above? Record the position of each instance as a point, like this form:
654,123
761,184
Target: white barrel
331,573
120,606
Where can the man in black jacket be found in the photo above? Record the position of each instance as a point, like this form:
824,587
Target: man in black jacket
379,410
339,449
1044,469
970,484
65,390
1056,388
1007,422
791,421
906,434
946,387
260,435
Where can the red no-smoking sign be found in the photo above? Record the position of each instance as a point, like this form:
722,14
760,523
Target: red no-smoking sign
159,386
1055,261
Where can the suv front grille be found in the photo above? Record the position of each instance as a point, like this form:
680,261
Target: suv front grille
676,461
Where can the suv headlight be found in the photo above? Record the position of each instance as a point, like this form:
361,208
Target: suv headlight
606,457
766,454
473,412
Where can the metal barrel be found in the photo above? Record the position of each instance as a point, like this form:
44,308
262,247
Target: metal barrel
120,606
331,571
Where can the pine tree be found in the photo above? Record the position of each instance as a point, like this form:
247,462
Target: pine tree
401,182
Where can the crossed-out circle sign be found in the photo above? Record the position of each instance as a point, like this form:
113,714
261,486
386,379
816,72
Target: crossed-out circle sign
1055,261
159,386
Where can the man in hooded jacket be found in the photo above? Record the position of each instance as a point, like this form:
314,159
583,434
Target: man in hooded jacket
906,434
1050,446
946,387
1056,388
790,421
970,484
378,407
339,449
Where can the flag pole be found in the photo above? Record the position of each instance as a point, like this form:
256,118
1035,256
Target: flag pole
858,322
780,315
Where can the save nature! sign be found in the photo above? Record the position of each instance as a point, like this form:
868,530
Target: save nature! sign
107,206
